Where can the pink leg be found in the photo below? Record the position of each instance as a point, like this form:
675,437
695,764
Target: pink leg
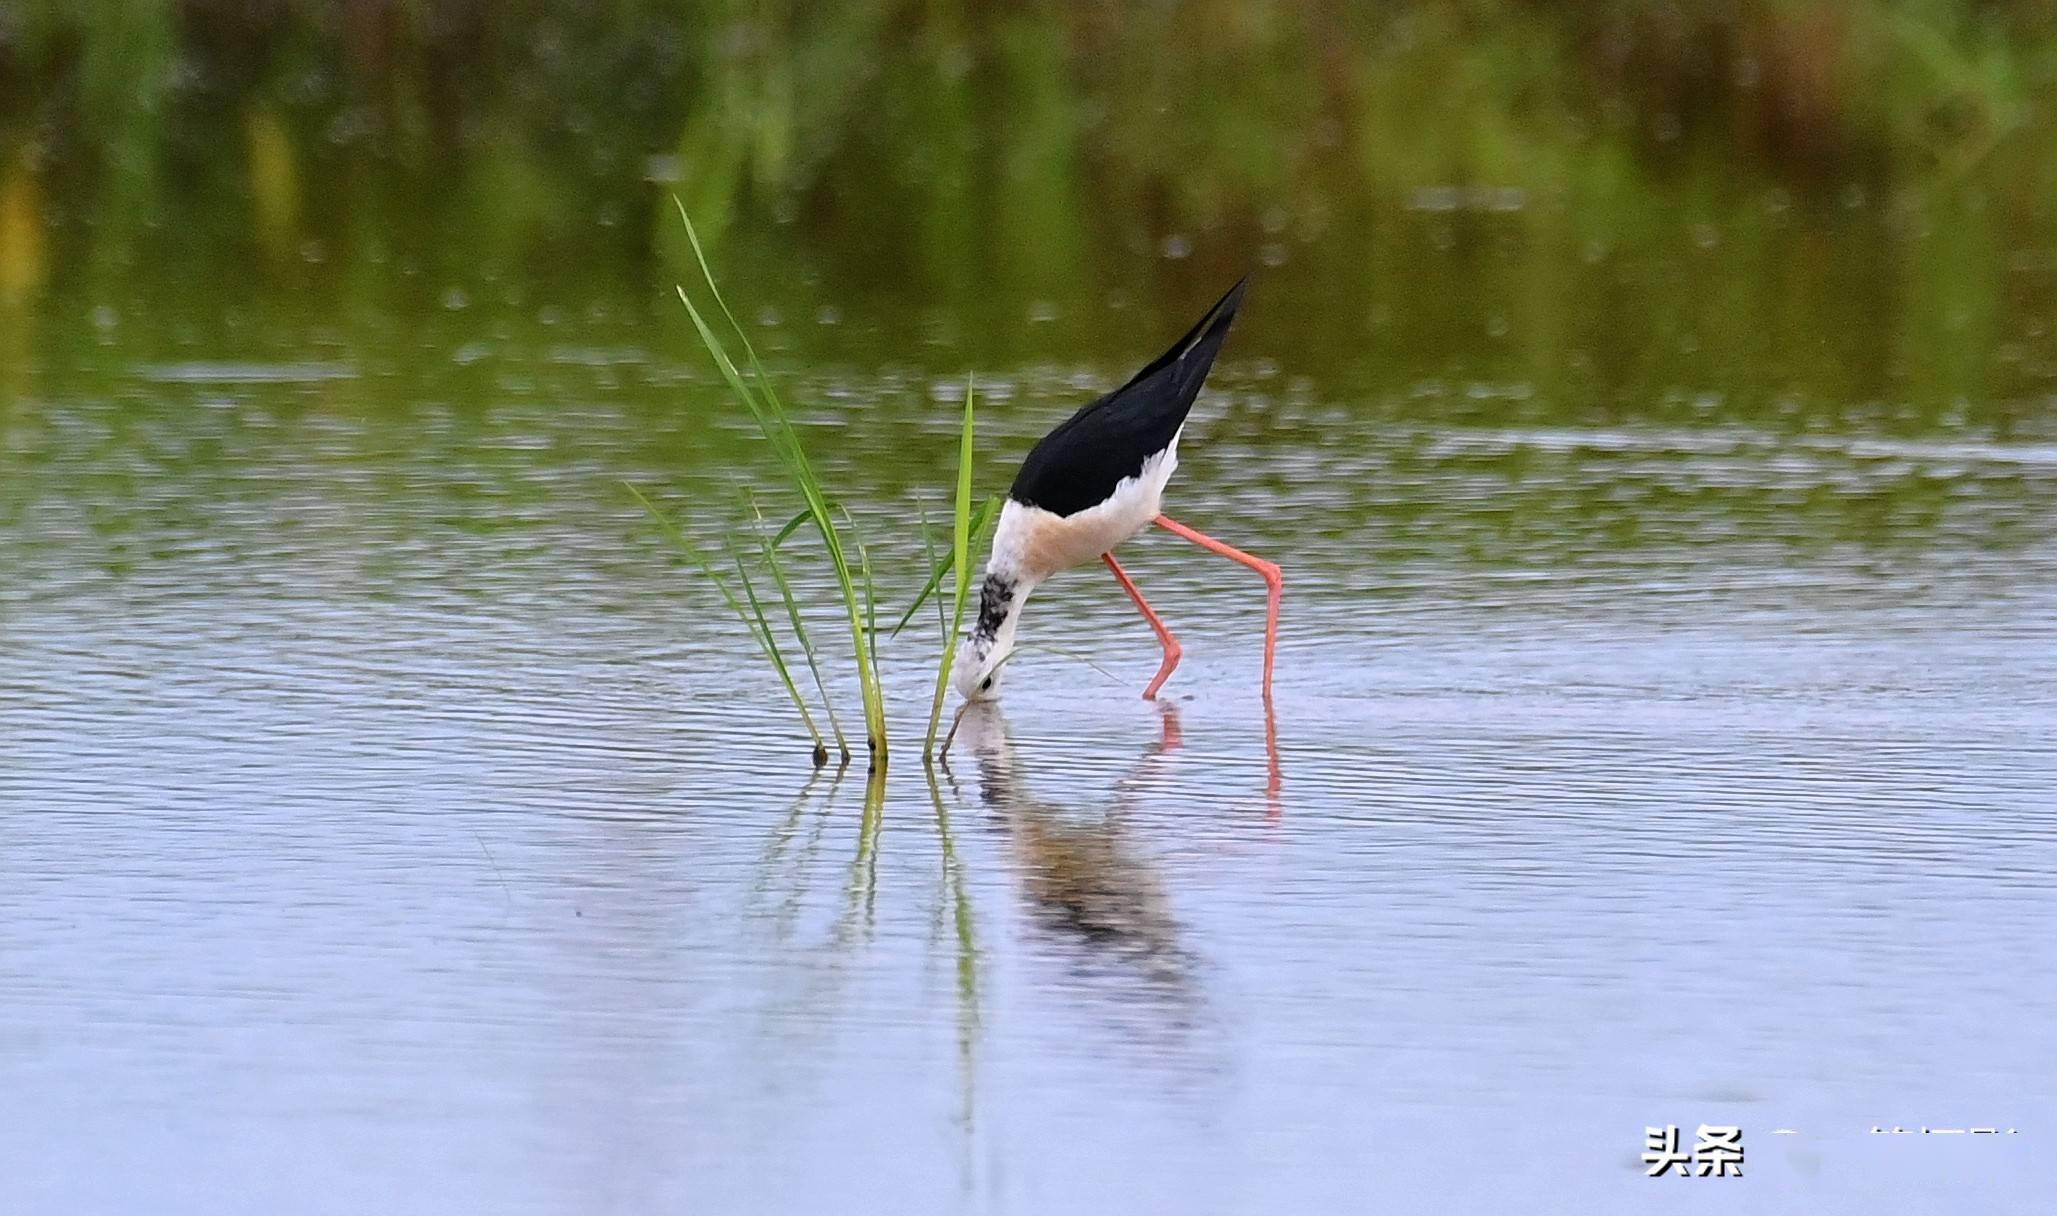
1274,581
1171,646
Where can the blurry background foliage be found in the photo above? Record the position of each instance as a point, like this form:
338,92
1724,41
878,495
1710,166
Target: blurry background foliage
1791,213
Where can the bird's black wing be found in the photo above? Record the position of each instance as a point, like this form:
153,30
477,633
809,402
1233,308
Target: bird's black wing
1078,465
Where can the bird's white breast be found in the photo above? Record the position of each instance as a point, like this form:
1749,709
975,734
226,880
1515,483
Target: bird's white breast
1036,543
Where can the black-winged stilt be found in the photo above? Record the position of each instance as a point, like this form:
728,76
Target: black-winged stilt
1089,485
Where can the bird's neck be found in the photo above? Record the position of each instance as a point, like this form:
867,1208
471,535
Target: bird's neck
1001,596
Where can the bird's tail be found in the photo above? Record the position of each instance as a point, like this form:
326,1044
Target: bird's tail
1190,357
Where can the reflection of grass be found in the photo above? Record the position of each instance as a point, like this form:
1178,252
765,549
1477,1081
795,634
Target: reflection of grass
861,893
22,254
966,932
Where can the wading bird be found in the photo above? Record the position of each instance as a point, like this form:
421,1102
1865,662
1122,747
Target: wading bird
1089,485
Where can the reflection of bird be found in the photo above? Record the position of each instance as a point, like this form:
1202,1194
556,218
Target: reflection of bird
1089,485
1086,882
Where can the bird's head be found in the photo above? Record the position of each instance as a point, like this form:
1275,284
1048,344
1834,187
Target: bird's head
977,669
991,640
1002,592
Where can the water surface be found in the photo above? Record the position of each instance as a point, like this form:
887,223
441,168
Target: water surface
390,822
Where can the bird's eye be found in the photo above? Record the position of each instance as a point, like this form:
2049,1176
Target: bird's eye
986,684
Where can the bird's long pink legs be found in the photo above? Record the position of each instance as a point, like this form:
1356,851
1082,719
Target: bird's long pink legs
1274,582
1171,646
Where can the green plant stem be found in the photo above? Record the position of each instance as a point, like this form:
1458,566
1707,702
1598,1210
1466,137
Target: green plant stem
960,556
771,649
778,576
759,630
939,568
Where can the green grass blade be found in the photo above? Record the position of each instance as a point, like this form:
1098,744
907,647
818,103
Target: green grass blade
792,525
871,627
769,413
961,557
759,629
700,256
686,545
928,546
937,570
778,576
771,649
778,432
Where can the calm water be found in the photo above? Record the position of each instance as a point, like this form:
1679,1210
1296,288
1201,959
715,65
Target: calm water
390,823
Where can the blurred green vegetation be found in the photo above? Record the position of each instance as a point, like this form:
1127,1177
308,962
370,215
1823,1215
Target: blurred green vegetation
1786,212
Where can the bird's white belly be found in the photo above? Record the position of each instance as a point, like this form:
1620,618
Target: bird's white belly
1039,543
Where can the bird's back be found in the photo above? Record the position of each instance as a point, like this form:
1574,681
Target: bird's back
1079,464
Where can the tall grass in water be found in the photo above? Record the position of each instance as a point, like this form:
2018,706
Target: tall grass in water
769,548
960,559
756,393
753,619
761,399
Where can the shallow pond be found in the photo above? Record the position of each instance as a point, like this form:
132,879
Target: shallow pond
388,821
